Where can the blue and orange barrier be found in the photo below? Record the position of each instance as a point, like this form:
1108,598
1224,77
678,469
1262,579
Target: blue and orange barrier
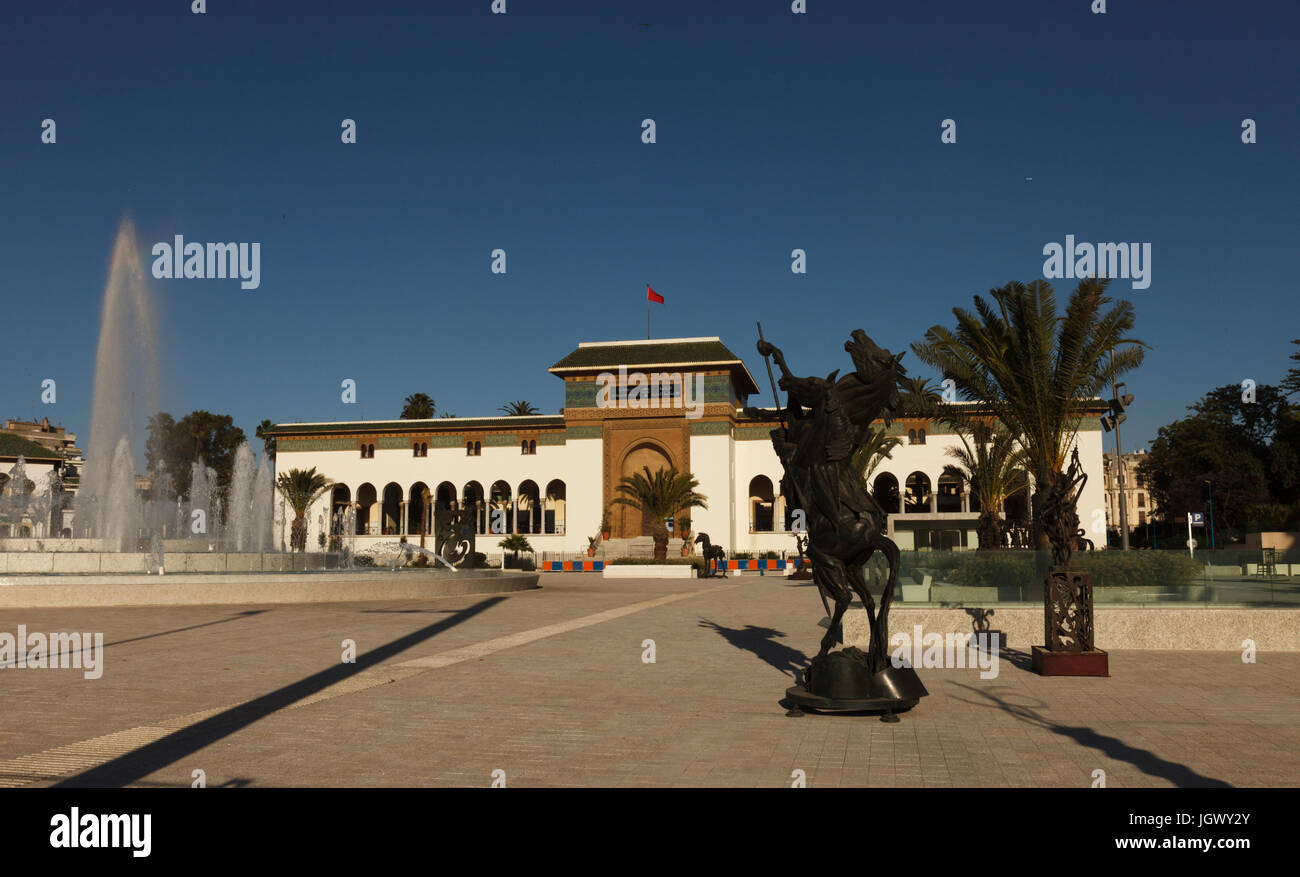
573,565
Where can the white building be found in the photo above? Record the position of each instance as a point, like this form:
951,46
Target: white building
555,475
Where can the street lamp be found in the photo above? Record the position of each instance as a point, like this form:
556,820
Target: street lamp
1112,420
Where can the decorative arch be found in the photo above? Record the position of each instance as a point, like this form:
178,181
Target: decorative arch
367,502
391,513
948,498
528,510
916,499
885,491
555,507
647,452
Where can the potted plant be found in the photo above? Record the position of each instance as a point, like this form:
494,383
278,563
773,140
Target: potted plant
686,546
592,542
604,526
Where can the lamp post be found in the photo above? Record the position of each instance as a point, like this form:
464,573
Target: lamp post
1112,420
1211,485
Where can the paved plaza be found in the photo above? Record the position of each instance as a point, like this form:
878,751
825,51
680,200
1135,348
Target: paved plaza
550,687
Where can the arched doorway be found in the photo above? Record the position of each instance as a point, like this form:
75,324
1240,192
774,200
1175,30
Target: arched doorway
530,508
391,517
366,498
555,507
626,520
417,520
885,492
762,503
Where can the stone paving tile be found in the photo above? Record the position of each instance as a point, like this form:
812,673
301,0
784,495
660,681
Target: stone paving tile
581,709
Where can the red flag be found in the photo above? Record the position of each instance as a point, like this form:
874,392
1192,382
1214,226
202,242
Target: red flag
651,295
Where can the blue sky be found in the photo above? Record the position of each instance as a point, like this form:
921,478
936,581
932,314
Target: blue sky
522,131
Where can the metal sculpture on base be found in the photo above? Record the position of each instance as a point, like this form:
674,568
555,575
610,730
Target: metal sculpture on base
1069,648
714,557
824,421
455,530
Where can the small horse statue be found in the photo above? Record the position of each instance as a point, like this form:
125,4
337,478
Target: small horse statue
711,554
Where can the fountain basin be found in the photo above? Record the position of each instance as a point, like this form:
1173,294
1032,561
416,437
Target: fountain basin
243,589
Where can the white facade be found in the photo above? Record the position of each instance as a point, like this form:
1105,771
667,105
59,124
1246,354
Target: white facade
570,465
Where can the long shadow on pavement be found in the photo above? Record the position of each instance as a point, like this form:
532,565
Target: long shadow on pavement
1144,760
141,762
760,641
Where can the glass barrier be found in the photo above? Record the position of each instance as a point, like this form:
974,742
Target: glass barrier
1222,578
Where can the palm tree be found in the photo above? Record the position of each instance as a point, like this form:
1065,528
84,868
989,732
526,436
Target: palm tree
1036,369
300,489
519,409
878,448
660,494
920,398
515,543
268,441
991,464
418,407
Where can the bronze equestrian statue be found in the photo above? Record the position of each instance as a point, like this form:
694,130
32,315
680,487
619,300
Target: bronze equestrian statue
824,421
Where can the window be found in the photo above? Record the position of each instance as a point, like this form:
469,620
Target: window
911,436
367,452
420,449
528,448
473,449
1142,519
920,436
1142,500
469,449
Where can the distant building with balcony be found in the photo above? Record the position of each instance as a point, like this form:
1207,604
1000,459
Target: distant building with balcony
1140,505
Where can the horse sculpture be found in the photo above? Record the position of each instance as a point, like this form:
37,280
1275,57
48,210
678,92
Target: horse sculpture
825,420
711,553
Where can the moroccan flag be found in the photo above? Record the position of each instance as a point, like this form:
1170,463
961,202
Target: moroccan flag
651,295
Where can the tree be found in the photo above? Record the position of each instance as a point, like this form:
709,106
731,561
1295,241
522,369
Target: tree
1248,450
300,489
1036,369
1291,383
518,409
878,448
990,463
657,495
268,441
418,407
174,446
516,543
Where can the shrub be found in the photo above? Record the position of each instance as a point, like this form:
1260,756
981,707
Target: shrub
1110,569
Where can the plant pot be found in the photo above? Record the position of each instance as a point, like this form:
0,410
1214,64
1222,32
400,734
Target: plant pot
591,552
686,551
604,534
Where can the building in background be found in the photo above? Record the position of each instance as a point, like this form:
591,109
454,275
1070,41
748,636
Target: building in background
1141,507
555,476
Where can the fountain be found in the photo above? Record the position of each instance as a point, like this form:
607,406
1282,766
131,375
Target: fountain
214,542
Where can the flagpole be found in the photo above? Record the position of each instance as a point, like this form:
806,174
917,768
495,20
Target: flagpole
647,312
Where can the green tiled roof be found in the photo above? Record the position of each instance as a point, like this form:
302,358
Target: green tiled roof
668,352
15,447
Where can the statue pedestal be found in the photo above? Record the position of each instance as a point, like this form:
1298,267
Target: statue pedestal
842,682
1053,663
